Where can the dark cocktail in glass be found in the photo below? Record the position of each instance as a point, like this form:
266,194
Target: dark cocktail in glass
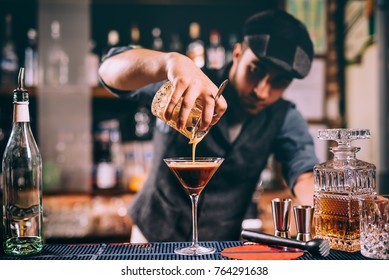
194,176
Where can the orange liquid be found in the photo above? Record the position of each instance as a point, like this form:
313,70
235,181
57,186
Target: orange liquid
336,219
194,176
194,151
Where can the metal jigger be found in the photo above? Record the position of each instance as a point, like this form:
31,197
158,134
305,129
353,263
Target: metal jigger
281,216
303,215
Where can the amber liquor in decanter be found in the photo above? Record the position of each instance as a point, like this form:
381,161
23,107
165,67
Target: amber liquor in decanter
339,183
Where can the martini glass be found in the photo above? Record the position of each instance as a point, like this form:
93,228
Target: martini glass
194,176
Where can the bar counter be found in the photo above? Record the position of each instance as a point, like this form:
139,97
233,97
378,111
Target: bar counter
150,251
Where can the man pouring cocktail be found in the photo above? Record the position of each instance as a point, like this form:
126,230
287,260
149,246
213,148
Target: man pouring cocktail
276,48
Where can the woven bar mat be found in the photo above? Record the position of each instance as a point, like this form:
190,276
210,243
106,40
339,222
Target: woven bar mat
150,251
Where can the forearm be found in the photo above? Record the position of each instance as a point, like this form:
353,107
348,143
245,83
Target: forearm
304,188
135,68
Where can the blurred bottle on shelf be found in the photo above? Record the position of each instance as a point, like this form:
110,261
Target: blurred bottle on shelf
92,66
232,40
157,40
57,70
138,163
148,155
134,172
9,61
143,125
108,159
216,53
175,44
139,152
31,59
116,146
134,35
112,41
195,49
105,173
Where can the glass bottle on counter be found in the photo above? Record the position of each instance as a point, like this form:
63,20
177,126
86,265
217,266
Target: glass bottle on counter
9,61
22,182
339,184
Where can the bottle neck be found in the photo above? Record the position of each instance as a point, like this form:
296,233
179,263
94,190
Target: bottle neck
344,152
21,112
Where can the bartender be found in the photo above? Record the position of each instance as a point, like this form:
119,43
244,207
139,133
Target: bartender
275,49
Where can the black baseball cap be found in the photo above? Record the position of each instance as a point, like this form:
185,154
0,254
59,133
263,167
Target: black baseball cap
281,40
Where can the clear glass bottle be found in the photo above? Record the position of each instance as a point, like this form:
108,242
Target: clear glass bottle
339,183
22,182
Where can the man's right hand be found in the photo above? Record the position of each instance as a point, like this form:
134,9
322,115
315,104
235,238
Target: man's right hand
136,68
192,84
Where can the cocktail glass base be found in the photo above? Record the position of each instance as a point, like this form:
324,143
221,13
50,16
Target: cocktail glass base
194,250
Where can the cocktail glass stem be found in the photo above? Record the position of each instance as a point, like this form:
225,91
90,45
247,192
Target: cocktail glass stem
194,199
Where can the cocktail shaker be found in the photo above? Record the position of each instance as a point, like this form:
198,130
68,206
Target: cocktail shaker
191,129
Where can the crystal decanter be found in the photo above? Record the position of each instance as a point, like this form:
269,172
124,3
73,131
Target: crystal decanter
339,183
